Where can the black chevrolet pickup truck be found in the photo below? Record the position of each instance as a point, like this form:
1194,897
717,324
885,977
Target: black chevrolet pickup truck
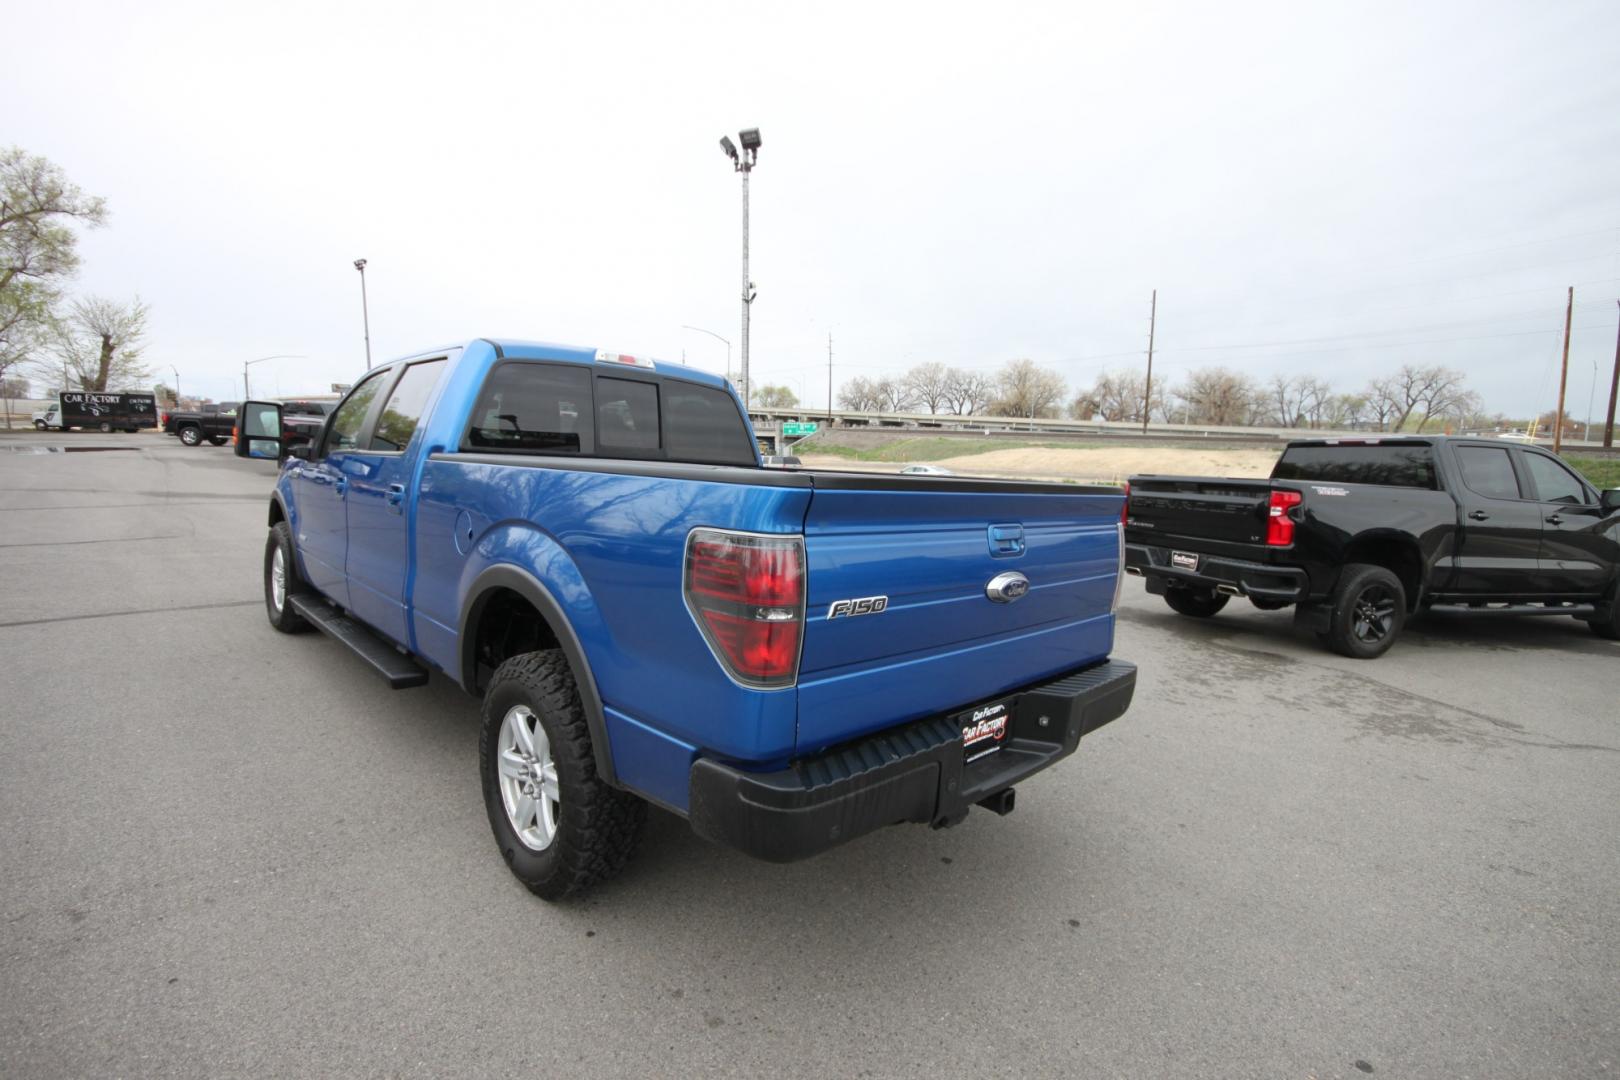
1358,534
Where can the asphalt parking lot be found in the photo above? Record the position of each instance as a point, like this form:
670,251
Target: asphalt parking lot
228,851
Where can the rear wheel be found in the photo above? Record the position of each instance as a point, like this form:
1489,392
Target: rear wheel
1269,605
1610,627
1198,603
1369,610
191,435
215,440
105,427
560,826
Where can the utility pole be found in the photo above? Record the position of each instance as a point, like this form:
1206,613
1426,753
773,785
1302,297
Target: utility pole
829,380
1147,397
1563,378
1614,389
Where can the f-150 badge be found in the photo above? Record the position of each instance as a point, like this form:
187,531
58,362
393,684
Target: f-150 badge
866,605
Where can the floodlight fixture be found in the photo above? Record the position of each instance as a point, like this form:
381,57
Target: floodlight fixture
729,147
750,139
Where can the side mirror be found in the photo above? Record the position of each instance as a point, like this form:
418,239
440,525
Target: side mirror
1610,500
258,430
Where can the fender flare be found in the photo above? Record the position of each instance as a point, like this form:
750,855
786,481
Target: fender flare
526,585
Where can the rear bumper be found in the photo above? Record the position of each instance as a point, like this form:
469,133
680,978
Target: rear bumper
1261,580
916,772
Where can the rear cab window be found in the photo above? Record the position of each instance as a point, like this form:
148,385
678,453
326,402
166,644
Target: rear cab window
547,407
1409,465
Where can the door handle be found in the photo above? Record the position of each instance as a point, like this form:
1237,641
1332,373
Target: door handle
1555,520
395,497
1478,515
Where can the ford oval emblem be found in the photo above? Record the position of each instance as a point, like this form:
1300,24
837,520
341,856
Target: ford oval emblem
1005,588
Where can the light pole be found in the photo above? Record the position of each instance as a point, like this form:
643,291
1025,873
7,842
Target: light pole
246,393
365,313
176,385
716,337
744,163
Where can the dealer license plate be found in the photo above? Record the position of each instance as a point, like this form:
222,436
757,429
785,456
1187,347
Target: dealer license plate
985,729
1184,560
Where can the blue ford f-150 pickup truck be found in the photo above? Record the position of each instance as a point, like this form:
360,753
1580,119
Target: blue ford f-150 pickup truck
787,658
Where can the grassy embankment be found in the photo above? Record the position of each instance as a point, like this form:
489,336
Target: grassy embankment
1602,472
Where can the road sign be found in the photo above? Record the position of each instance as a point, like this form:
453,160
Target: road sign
790,428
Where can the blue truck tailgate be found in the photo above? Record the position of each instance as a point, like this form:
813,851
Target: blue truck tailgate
937,640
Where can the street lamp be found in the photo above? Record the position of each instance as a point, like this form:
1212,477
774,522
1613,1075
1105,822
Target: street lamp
716,337
365,314
246,393
743,162
176,385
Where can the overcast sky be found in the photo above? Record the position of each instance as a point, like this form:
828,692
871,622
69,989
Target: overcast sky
1312,188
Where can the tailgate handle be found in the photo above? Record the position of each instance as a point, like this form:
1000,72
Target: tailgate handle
1006,540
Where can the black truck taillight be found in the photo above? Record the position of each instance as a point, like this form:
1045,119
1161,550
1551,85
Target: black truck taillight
1279,526
746,593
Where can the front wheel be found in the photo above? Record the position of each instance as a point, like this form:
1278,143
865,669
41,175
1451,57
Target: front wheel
281,581
1198,603
559,826
1369,610
191,436
105,427
39,425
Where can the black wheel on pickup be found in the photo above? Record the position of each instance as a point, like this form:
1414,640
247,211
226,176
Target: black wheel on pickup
560,826
1609,627
1198,603
215,440
1368,612
191,435
281,581
1269,605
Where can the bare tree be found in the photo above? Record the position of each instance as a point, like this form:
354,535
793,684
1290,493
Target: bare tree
893,394
929,385
1344,410
1215,395
1283,397
969,392
1084,406
1024,388
1383,401
100,342
858,395
1445,396
1315,398
1118,395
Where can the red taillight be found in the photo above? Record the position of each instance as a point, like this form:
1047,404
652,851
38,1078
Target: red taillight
1279,526
747,594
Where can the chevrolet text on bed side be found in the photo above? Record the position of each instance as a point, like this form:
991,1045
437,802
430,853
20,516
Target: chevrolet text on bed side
787,658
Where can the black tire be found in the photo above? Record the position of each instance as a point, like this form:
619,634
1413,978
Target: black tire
282,616
1198,603
215,440
105,427
597,826
191,435
40,425
1369,610
1269,605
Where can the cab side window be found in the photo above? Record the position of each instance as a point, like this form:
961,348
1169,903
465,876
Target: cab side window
1554,483
344,432
1488,471
400,415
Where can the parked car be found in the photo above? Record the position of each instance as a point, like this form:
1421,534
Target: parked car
588,542
1360,534
780,461
925,470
